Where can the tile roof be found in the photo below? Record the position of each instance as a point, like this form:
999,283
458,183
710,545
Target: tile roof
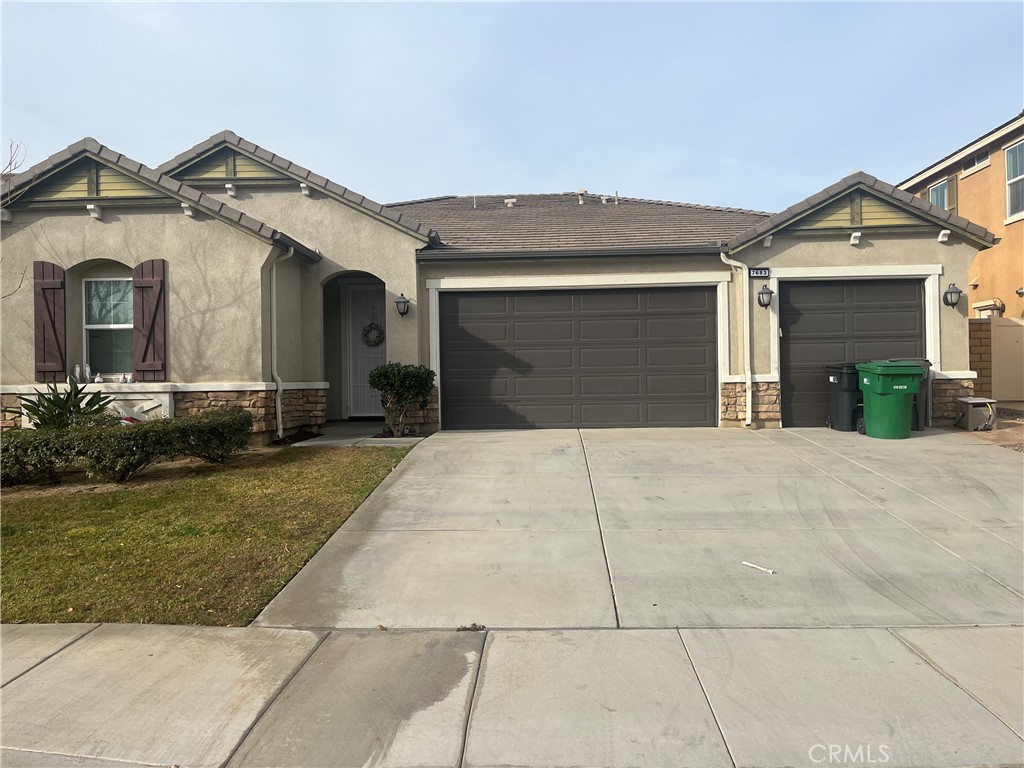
174,188
869,182
558,224
323,184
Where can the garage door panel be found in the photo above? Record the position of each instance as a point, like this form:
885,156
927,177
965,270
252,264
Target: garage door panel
609,330
544,386
479,387
542,302
610,357
603,301
475,304
885,350
701,385
609,385
543,330
552,415
599,357
700,355
697,301
816,324
553,357
678,327
609,413
668,415
473,331
828,322
887,323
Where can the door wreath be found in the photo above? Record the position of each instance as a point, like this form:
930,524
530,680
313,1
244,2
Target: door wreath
373,335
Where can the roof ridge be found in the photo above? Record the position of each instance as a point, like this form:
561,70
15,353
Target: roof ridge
420,200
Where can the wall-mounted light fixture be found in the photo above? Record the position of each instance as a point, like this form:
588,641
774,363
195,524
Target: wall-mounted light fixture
764,297
1020,292
951,296
855,238
402,305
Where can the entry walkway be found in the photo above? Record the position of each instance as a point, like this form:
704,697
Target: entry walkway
608,618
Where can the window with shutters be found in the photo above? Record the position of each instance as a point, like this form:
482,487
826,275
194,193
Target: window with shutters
1015,180
943,194
109,325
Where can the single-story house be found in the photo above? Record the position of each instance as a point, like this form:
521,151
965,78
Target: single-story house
231,275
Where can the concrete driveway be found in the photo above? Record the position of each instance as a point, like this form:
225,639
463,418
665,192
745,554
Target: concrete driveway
622,627
649,529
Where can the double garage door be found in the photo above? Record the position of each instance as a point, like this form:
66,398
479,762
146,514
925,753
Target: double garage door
578,358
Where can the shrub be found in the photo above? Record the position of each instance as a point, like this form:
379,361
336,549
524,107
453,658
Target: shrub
34,454
215,434
115,454
401,387
54,409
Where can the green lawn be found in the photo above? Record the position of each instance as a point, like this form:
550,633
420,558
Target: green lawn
203,545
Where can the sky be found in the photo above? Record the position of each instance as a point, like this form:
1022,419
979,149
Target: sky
746,105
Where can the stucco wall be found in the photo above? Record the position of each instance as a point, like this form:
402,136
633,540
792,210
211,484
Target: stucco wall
350,240
214,286
874,250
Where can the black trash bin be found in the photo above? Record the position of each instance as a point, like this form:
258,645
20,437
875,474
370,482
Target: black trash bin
844,397
921,414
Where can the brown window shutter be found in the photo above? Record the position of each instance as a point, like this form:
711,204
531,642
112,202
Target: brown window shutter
149,345
50,321
951,193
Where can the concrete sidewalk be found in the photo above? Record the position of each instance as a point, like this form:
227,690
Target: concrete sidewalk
623,628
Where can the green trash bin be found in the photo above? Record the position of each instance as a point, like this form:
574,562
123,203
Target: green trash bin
889,389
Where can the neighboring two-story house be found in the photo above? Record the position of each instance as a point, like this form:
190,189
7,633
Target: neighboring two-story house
984,181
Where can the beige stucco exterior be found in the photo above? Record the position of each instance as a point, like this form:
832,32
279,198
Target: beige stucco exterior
214,299
349,239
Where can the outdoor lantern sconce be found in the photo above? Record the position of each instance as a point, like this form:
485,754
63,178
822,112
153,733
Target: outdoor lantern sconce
764,297
951,296
402,305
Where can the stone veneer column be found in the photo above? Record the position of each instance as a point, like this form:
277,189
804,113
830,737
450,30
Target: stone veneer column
944,396
767,408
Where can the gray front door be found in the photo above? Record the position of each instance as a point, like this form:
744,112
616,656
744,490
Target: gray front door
582,358
837,321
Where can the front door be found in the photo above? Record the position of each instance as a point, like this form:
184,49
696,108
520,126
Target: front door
367,346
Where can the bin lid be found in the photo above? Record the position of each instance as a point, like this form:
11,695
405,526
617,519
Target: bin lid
842,367
891,368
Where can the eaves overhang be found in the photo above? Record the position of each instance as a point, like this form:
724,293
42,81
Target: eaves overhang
455,254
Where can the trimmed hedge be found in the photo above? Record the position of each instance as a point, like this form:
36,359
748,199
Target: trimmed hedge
116,453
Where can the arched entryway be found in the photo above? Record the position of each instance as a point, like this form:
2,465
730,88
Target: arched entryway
355,342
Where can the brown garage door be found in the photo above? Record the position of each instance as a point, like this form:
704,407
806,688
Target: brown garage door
594,358
836,322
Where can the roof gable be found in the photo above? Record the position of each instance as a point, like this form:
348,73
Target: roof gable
257,158
227,165
88,166
90,178
860,201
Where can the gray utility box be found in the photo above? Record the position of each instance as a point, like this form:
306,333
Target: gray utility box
975,413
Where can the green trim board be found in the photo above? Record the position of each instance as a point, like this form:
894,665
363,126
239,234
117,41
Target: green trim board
89,179
226,164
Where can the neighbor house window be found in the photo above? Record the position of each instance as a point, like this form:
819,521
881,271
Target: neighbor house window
974,161
1015,179
939,194
109,322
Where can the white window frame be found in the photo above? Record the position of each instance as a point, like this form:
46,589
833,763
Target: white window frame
975,164
1019,215
86,327
944,182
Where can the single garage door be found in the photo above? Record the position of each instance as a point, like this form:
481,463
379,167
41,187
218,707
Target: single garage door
836,322
584,358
